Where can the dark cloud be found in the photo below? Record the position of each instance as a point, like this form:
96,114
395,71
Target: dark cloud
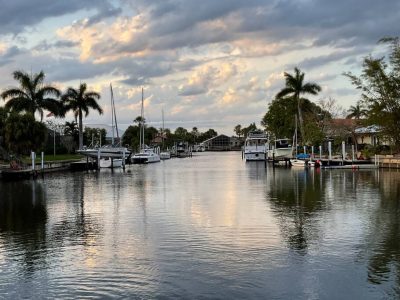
45,45
17,15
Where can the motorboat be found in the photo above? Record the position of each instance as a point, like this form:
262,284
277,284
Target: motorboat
280,148
255,146
145,156
198,148
108,162
165,155
304,163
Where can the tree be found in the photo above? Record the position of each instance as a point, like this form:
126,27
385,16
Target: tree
181,133
97,135
279,119
72,129
356,112
295,87
32,96
23,134
238,130
81,101
131,137
379,84
249,128
207,135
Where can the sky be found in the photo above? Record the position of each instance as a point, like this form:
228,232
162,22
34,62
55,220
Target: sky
206,64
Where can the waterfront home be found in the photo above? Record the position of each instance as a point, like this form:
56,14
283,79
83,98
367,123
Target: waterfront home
370,135
222,143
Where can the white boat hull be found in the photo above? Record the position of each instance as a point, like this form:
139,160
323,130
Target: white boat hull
255,156
111,163
105,152
145,158
165,155
302,163
280,153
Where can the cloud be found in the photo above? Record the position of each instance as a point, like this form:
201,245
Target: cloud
215,62
17,15
207,77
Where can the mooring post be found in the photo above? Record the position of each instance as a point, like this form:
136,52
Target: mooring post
343,152
312,153
273,160
42,164
265,159
98,159
329,152
320,153
352,153
123,159
33,156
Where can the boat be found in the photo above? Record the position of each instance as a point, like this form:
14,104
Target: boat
302,160
146,154
255,146
298,163
199,148
108,162
108,151
280,148
165,155
181,149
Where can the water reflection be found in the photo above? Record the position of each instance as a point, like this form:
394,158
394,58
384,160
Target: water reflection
23,218
296,196
184,228
383,239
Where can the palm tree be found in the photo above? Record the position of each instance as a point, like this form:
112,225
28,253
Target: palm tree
238,130
33,95
356,111
296,87
81,101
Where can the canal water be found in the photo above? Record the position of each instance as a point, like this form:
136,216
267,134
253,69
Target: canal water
207,227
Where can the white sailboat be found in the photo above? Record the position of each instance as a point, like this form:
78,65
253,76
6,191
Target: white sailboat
113,151
295,162
165,154
146,154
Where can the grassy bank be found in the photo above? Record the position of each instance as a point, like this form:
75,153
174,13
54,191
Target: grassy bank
51,157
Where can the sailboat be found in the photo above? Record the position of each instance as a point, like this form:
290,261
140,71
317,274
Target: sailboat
112,154
146,154
295,162
164,154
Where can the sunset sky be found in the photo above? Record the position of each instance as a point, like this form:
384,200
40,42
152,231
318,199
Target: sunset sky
209,63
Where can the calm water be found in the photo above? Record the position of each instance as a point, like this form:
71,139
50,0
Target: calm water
207,227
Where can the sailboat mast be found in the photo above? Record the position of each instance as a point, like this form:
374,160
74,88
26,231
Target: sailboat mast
162,133
112,115
115,114
142,123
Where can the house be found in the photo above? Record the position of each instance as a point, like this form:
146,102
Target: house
222,143
370,135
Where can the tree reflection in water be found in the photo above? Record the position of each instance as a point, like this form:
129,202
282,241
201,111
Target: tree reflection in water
296,195
23,218
383,240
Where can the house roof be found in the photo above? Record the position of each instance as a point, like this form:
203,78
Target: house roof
368,129
344,122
